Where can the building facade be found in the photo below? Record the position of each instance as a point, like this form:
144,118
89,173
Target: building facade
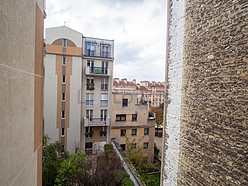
21,84
151,92
205,141
130,120
77,89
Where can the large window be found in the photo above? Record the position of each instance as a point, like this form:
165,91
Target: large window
104,100
89,114
120,117
145,145
123,132
146,131
124,102
134,132
90,83
104,84
103,132
91,49
105,51
103,115
89,132
134,117
89,99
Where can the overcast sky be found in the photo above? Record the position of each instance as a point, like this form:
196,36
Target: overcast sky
136,26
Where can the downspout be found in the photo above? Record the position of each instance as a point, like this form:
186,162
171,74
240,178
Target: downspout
166,89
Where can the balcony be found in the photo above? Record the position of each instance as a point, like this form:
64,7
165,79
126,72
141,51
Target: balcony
96,122
97,71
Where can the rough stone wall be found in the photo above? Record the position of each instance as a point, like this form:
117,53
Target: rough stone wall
214,118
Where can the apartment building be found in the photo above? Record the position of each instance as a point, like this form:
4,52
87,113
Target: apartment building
78,72
21,84
151,92
130,119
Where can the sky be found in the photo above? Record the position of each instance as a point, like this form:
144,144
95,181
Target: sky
136,26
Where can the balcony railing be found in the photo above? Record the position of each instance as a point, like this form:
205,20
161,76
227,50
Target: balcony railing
96,121
91,52
98,71
104,86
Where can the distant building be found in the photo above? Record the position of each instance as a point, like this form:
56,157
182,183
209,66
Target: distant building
151,92
21,84
130,117
78,89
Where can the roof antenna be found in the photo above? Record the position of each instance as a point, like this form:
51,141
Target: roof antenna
66,22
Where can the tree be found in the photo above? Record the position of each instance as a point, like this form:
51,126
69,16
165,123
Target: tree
159,115
50,160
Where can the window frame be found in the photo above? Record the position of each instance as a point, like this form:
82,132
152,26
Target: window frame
132,134
145,131
62,132
62,114
63,79
121,119
125,102
145,145
89,99
63,97
134,119
123,132
63,61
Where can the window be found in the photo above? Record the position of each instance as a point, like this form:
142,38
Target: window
64,61
91,50
63,79
134,117
104,84
103,115
89,132
145,145
123,146
133,147
146,131
90,63
62,132
89,99
134,132
104,100
89,114
123,132
124,102
88,145
120,117
105,51
103,132
64,42
90,83
63,114
63,96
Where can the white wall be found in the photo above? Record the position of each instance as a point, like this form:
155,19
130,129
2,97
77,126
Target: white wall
50,98
175,69
73,132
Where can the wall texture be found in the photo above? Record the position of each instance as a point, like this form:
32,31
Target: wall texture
214,110
21,98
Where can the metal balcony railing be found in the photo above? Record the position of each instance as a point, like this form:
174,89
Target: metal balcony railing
98,70
104,121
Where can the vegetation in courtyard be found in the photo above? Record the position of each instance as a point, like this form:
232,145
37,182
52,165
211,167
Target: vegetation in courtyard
159,111
81,169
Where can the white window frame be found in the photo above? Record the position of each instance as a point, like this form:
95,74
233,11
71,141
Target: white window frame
90,97
104,99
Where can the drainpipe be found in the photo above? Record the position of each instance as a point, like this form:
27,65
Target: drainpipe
166,90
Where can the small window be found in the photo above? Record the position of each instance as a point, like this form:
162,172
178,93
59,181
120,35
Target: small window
104,100
88,145
89,132
134,117
64,42
146,145
120,117
134,132
103,132
63,114
124,102
63,96
123,146
123,132
64,61
146,131
62,132
89,99
63,79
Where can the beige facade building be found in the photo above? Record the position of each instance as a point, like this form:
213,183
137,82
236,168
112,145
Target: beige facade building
21,84
78,72
151,92
130,119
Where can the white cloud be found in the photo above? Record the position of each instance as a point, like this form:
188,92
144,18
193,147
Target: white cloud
137,26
